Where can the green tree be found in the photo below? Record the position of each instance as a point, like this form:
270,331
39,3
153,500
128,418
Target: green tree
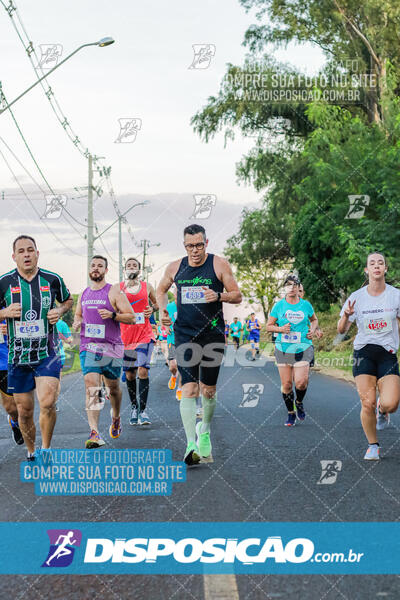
363,36
260,253
260,284
330,246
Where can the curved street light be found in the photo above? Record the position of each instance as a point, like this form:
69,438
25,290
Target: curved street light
106,41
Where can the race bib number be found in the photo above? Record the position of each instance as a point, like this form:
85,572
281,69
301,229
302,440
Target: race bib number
29,329
381,325
192,295
139,319
94,331
294,337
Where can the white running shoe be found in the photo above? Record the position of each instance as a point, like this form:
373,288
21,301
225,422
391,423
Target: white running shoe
382,419
372,452
134,416
144,418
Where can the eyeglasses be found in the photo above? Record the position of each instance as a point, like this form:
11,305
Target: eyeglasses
191,247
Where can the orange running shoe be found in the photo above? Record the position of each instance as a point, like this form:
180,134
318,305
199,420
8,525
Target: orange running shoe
172,382
115,427
179,395
94,441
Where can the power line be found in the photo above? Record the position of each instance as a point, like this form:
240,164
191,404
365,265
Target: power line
33,206
105,249
3,98
12,11
33,179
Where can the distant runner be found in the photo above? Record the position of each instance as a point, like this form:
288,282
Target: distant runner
65,337
254,327
7,399
235,330
172,364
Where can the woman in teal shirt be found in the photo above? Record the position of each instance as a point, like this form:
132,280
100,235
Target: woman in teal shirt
295,322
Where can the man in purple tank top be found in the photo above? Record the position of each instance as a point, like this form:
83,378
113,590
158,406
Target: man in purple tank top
99,311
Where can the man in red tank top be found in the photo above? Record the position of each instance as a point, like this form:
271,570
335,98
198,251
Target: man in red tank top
138,339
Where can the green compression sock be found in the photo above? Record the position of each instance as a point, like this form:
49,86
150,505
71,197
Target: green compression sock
187,407
208,411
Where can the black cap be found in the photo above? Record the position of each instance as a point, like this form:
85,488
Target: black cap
293,279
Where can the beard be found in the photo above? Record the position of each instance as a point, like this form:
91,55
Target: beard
97,277
132,275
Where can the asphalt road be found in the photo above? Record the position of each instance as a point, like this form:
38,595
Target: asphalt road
262,471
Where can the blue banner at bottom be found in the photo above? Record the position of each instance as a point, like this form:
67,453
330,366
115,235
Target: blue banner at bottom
199,548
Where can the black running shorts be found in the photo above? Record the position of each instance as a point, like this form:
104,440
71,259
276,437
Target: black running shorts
375,360
200,358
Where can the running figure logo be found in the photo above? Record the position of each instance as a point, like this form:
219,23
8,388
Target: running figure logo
357,206
203,205
50,53
128,129
62,547
203,54
330,470
251,394
54,206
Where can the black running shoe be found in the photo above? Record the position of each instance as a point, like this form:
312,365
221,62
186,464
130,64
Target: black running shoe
301,415
16,432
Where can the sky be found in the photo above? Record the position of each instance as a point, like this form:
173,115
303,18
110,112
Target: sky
144,75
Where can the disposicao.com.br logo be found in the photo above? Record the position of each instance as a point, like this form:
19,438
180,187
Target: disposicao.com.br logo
247,551
62,547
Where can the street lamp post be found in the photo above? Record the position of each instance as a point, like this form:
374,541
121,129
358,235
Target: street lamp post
101,43
119,220
106,41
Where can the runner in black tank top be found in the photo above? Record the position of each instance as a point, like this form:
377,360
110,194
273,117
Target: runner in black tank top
200,279
196,317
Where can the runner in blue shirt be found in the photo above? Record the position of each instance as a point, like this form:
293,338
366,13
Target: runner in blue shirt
295,322
226,332
172,364
7,399
64,336
254,327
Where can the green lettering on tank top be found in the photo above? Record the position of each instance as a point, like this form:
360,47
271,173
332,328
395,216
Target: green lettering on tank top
196,280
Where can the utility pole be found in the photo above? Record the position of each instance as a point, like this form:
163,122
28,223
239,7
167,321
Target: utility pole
90,233
120,219
146,245
144,255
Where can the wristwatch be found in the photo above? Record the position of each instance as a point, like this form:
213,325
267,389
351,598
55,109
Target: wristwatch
219,297
113,316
